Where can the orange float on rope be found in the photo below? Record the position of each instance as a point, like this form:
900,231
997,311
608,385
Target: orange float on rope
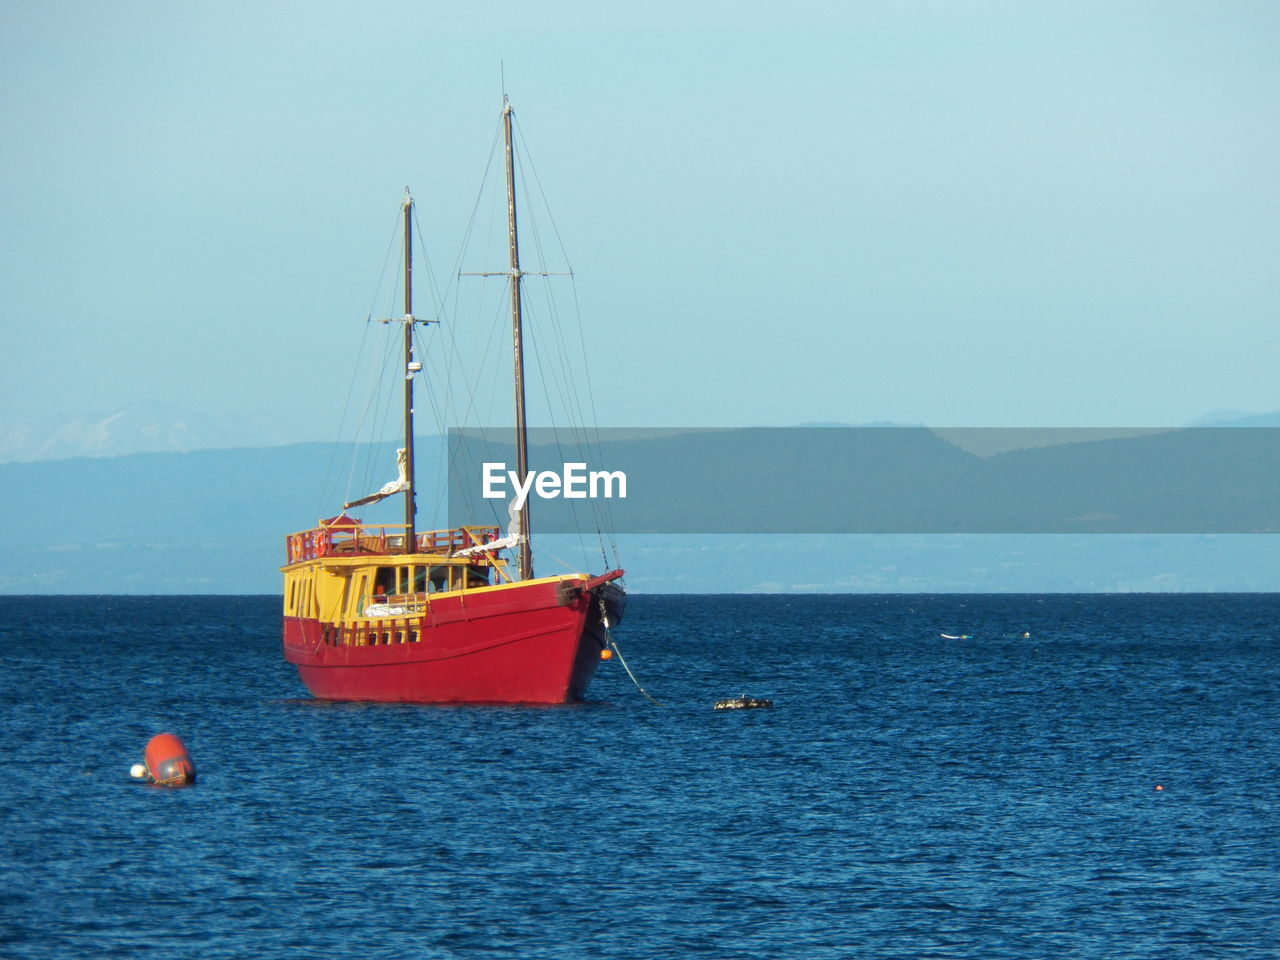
168,763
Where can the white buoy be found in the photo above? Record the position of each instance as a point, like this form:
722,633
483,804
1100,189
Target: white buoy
138,771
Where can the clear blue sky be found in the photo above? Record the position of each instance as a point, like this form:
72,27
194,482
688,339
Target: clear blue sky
996,214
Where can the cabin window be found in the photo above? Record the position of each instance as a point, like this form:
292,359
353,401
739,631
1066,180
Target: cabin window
439,577
419,580
385,581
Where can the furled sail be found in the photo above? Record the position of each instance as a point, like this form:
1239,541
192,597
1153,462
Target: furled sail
399,485
512,539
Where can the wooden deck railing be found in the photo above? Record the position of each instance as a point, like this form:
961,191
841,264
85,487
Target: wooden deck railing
348,540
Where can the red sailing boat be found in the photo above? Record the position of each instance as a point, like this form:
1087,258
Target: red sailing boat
388,613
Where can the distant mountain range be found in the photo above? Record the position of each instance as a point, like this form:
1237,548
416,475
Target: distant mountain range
163,428
214,521
203,521
895,480
1237,418
137,428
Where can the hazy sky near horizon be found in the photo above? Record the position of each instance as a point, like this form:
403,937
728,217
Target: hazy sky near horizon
961,214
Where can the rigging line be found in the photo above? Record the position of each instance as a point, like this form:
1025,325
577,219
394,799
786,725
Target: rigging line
579,444
537,180
552,380
565,565
480,307
557,328
595,420
561,377
587,440
355,373
372,414
495,202
475,207
548,327
386,258
425,355
479,431
470,415
342,420
439,407
470,385
455,275
420,346
574,410
530,218
452,361
565,382
380,403
606,510
524,149
437,299
555,433
380,399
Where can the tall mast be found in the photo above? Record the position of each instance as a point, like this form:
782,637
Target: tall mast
522,441
410,497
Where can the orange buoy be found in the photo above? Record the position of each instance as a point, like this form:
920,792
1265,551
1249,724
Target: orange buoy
168,763
606,654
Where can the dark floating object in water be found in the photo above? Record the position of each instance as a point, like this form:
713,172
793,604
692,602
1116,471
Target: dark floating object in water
743,703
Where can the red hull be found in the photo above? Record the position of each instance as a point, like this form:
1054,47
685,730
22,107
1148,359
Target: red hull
521,643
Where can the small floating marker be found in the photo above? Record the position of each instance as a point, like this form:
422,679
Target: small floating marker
956,636
138,771
1159,787
743,703
1026,635
168,764
606,654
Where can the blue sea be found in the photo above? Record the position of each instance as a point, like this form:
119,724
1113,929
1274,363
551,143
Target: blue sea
1104,787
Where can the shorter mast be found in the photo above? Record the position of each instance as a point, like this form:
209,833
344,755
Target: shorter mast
410,495
404,456
522,441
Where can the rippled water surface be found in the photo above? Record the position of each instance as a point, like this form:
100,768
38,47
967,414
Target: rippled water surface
907,796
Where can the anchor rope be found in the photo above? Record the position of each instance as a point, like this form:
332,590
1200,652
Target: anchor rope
604,621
